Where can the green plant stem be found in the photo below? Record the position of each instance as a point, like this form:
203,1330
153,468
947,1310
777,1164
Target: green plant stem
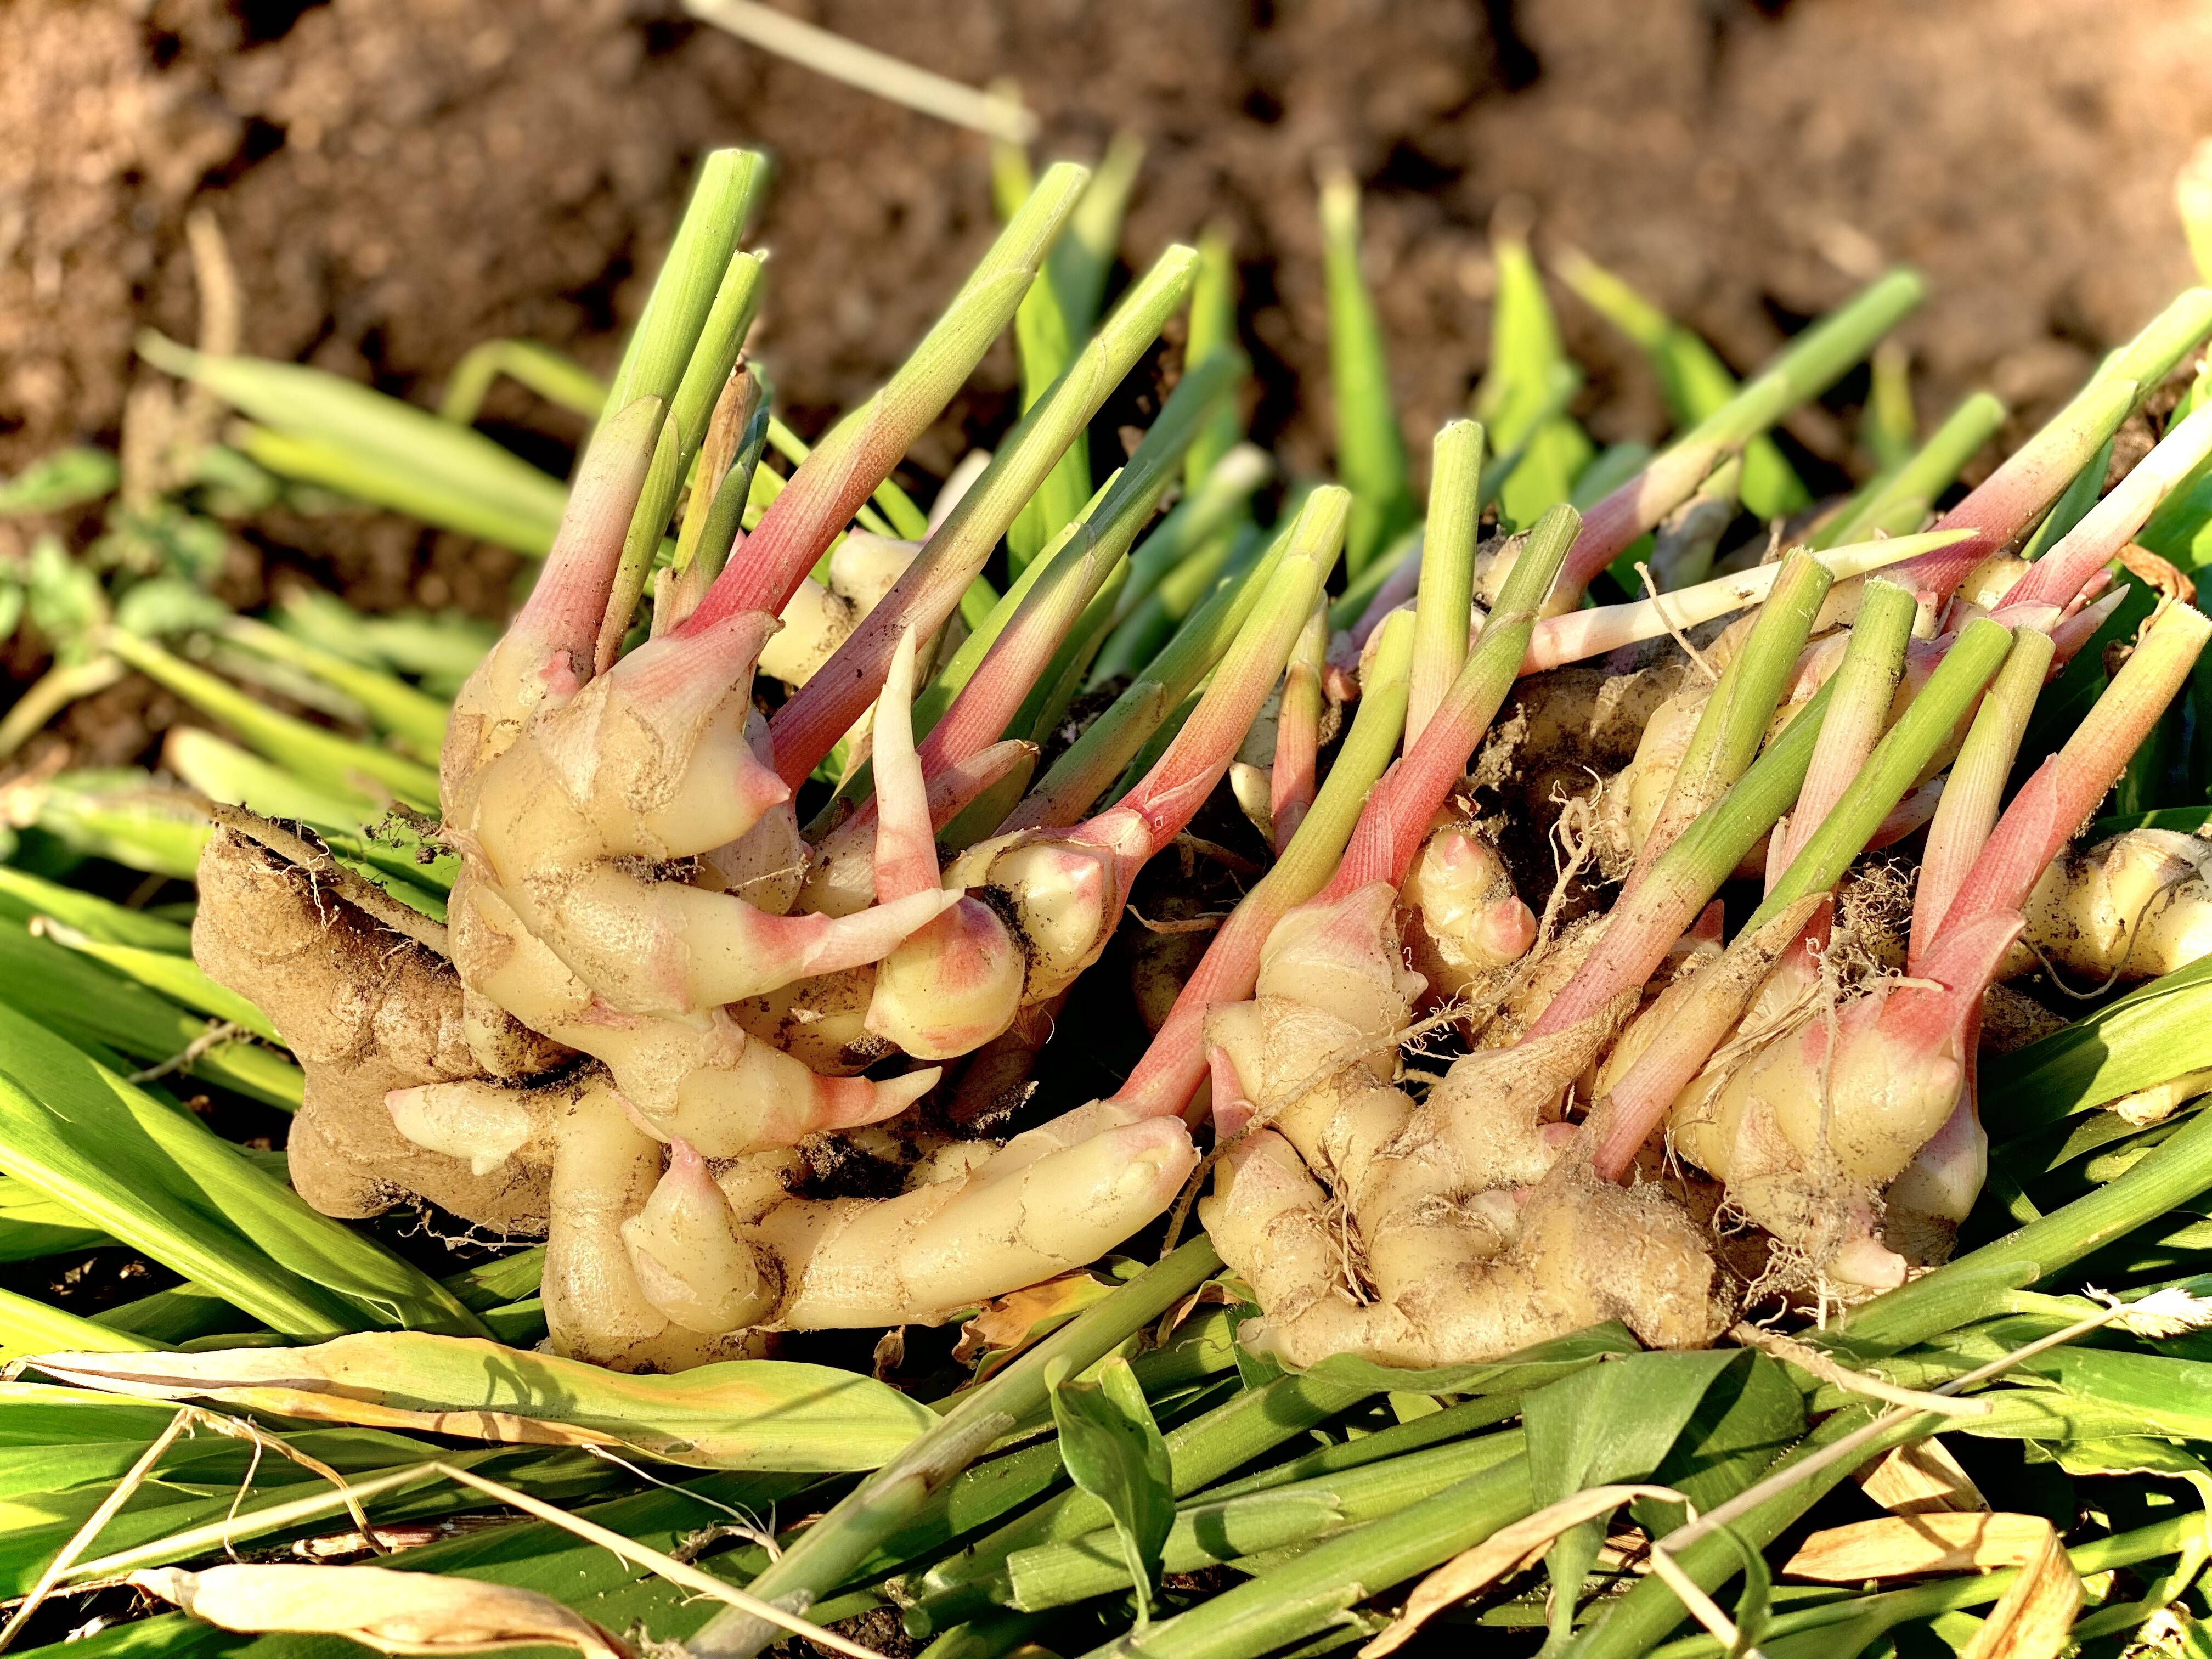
1899,502
1321,1584
1208,1533
857,454
1017,1397
1805,368
1735,717
1441,614
323,757
1108,745
1213,328
1395,819
1975,789
824,709
1904,752
417,719
1371,449
1199,1452
1213,504
1168,1075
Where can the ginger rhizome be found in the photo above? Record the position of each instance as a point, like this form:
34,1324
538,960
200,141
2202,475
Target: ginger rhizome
662,1006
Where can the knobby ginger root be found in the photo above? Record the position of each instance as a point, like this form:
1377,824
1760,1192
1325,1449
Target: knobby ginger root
1429,1234
822,616
364,1011
1461,919
2135,906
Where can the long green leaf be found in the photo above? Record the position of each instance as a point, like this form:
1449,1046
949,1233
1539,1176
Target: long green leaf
161,1181
743,1414
1114,1450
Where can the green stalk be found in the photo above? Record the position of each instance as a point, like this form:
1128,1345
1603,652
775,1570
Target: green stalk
824,709
557,379
1395,819
2178,1169
323,757
1451,1424
1696,382
1900,502
1347,607
723,487
1371,449
680,355
1254,1421
1866,684
1318,1588
1807,367
1735,717
1975,789
1447,592
327,430
694,284
1108,745
1018,1397
1858,696
1055,314
1175,590
889,510
1209,1533
1164,1080
1690,873
414,717
2007,502
1526,387
23,896
1141,482
1213,328
1888,427
1213,504
1633,1624
860,452
2073,504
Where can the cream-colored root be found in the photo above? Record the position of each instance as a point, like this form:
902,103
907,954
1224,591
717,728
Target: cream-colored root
668,1255
821,615
1455,1213
1460,916
2135,906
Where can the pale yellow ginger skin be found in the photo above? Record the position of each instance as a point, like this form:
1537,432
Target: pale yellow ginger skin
1477,1236
820,617
2136,906
1812,1132
675,1236
1460,916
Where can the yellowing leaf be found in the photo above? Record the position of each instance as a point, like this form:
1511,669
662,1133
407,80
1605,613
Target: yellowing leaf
1007,1324
1903,1546
1508,1551
744,1413
2035,1620
1920,1479
391,1612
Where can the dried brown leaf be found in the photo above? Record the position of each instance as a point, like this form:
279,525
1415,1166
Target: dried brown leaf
1508,1551
1905,1546
1007,1324
392,1612
2035,1620
1920,1479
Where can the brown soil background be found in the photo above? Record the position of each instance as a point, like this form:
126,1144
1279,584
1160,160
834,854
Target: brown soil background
399,179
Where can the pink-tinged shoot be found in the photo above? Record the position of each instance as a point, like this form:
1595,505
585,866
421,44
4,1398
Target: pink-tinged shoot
2109,526
691,1264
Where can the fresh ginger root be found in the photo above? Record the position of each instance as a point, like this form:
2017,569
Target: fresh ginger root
2135,906
365,1012
1474,1234
1461,919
